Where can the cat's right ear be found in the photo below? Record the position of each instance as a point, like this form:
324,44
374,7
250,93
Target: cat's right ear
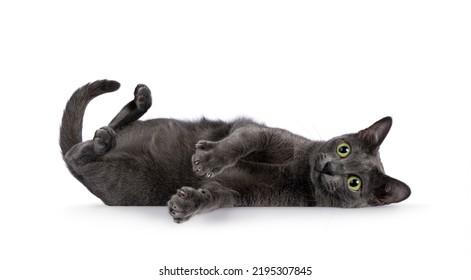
372,137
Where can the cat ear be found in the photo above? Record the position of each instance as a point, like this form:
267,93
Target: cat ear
373,136
388,190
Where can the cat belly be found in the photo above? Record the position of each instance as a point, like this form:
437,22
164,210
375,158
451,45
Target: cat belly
150,162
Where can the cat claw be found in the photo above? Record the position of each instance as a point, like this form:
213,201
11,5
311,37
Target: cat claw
207,160
181,193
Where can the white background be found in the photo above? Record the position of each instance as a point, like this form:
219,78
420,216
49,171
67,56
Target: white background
317,68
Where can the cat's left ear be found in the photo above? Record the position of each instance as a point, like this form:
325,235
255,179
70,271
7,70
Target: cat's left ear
388,190
373,136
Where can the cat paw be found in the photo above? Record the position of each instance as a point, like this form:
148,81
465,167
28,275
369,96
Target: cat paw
104,140
142,97
208,160
187,202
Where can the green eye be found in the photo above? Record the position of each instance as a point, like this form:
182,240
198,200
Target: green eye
344,150
354,183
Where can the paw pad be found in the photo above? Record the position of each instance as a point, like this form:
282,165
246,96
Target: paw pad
186,203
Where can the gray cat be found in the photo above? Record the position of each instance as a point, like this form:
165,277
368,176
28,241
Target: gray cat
195,167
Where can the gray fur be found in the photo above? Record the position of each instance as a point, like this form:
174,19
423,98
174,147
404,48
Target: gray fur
195,167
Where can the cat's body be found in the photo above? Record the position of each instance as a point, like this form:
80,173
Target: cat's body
238,163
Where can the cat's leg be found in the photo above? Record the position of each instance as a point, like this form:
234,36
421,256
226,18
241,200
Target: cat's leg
212,157
134,109
188,201
251,142
105,137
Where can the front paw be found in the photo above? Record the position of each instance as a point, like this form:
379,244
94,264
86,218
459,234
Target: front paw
187,202
208,160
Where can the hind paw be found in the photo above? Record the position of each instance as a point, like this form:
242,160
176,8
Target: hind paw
104,140
142,97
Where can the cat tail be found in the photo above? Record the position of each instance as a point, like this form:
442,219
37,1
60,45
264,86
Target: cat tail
72,119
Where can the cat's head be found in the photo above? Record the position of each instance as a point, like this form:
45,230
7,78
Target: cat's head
347,170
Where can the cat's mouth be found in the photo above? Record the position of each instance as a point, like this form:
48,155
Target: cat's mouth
324,173
326,180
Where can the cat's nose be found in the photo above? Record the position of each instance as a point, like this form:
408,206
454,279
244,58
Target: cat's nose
331,168
327,169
